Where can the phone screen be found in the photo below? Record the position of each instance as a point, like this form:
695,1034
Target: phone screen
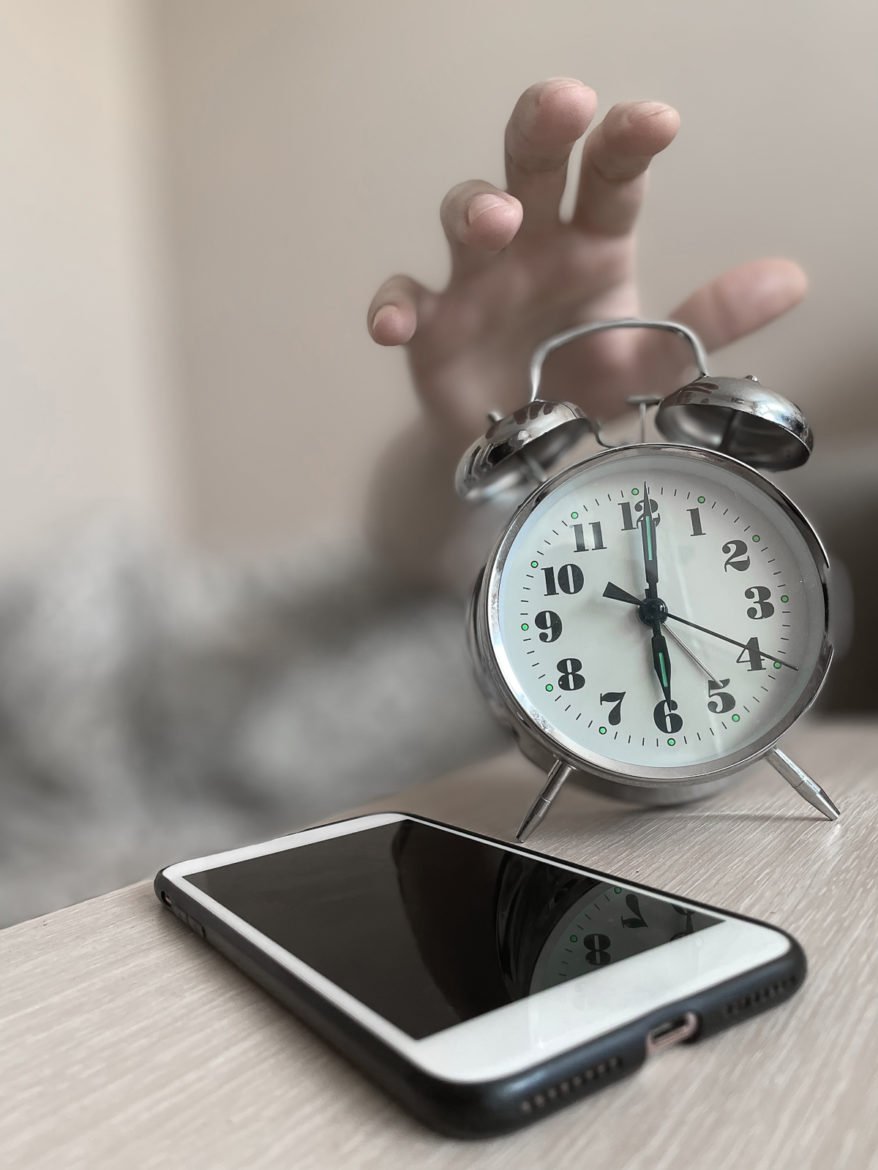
429,928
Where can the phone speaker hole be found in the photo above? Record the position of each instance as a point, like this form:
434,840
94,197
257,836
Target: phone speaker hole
755,1000
571,1087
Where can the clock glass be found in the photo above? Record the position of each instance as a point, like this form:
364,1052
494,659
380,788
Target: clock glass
659,610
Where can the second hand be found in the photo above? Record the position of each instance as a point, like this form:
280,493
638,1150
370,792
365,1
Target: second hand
678,641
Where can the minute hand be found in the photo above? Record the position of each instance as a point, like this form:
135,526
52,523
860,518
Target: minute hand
661,659
650,552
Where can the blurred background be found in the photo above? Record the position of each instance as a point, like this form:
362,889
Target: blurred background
197,200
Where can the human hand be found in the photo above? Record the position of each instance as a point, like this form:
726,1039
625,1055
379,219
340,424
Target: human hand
519,273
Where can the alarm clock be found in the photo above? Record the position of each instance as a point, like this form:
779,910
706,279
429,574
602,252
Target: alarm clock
653,618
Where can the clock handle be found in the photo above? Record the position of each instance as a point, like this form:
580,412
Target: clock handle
542,351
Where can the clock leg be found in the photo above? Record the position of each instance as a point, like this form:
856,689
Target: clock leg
558,774
807,788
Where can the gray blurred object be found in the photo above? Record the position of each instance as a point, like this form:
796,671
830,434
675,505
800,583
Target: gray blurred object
153,708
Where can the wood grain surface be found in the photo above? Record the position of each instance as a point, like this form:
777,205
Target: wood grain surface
127,1042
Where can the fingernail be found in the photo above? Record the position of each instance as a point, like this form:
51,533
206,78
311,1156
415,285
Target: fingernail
479,204
382,314
650,109
557,84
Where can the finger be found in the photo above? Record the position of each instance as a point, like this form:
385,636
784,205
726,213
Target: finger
478,220
731,306
615,159
393,314
742,300
547,120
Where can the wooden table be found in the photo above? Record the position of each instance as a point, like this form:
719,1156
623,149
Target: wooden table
126,1042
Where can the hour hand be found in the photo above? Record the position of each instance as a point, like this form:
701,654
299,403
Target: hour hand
616,593
661,661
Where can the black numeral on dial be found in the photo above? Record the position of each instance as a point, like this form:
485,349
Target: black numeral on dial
695,517
689,927
637,921
629,523
569,580
763,607
597,949
550,624
718,698
737,556
614,697
666,717
752,655
569,678
597,537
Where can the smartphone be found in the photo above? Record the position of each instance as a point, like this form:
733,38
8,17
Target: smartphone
481,984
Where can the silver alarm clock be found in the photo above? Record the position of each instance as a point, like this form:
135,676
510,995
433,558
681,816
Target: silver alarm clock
653,618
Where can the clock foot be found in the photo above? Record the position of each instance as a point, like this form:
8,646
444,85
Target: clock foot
807,788
558,774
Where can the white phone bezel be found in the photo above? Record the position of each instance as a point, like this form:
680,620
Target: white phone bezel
514,1037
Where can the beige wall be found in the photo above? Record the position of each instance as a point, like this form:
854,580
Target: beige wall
286,156
83,353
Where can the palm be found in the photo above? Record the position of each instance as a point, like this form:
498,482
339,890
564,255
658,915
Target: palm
471,354
520,274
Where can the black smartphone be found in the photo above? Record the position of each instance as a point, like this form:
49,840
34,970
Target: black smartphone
482,984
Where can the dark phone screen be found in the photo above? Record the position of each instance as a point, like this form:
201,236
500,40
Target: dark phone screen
429,928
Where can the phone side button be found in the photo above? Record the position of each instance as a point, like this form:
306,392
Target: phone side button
674,1031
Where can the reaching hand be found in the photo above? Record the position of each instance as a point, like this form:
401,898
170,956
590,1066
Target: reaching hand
519,273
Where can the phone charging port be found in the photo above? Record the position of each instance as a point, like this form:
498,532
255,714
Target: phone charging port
674,1031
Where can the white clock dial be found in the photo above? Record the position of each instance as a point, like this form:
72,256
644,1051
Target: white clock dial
736,645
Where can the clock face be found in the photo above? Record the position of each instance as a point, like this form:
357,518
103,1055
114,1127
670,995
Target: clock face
659,611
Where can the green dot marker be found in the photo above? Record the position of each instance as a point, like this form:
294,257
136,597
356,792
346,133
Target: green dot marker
784,597
549,687
736,719
535,564
574,938
701,499
778,665
672,742
602,730
525,626
574,515
617,889
756,539
635,491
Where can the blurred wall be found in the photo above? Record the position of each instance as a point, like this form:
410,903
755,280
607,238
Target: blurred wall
198,198
84,358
